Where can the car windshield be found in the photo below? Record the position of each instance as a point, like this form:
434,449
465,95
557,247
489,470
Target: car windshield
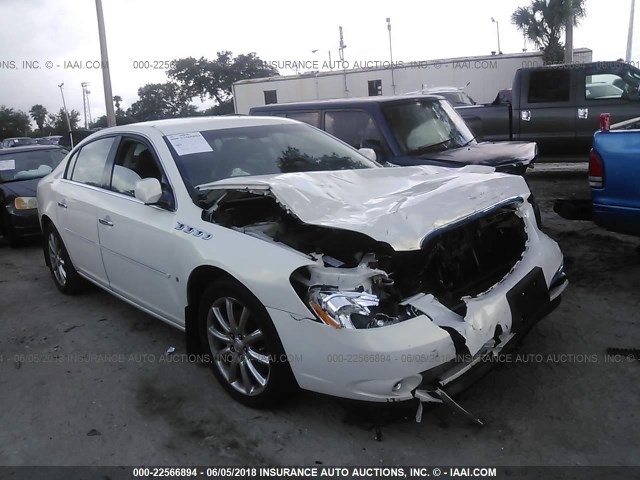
16,166
213,155
424,126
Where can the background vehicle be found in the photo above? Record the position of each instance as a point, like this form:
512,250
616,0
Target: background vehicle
614,177
18,142
559,107
52,140
266,239
20,170
407,130
71,139
455,96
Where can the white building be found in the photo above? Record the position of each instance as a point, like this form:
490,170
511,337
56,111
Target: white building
484,75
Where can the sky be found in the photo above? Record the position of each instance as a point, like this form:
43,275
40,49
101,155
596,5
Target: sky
65,34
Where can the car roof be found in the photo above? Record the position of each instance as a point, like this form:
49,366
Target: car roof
175,126
28,148
342,102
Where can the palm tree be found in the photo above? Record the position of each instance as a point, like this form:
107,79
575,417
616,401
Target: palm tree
543,22
39,115
117,99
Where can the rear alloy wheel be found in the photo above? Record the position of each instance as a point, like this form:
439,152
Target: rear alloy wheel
246,354
63,272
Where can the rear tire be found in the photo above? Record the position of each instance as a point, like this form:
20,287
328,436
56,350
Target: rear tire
244,350
62,270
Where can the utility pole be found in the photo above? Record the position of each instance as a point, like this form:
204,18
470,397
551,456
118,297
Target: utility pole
106,77
393,81
630,36
64,105
568,48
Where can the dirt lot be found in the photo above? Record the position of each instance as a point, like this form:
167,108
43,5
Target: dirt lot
59,406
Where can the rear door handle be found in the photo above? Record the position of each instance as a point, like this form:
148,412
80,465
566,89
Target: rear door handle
62,204
106,221
583,113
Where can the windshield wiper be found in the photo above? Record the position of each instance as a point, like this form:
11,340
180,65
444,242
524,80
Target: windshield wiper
427,148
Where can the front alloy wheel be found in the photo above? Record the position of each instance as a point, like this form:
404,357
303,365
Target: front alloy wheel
245,351
238,346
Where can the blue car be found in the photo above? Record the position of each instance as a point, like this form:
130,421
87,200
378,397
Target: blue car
614,177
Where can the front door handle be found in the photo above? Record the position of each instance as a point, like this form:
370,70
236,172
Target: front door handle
525,115
106,221
583,113
62,204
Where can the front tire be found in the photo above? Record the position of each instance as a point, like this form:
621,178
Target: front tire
9,232
246,354
62,270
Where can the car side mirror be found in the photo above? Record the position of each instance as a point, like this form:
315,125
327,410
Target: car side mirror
370,153
148,190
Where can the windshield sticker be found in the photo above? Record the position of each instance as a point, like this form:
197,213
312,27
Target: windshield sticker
7,165
187,143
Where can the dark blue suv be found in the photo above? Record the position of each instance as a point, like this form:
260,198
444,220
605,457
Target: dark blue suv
407,130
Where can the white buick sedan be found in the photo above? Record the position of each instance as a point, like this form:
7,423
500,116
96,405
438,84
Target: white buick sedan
292,260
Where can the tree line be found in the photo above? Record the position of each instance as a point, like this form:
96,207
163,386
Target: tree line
188,78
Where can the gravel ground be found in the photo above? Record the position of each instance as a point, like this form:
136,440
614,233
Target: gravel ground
131,404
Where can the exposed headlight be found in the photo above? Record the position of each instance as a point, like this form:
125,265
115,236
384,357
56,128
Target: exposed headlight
25,203
349,309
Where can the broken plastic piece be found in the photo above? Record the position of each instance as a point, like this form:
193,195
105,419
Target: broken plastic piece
419,413
450,402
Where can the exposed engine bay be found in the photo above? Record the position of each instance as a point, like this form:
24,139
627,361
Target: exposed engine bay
359,282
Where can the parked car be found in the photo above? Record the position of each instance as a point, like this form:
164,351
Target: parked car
51,140
559,107
20,170
407,130
290,259
71,139
455,96
614,177
18,142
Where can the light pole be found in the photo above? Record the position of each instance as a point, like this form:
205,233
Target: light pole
498,32
393,81
84,102
66,114
106,77
630,35
344,68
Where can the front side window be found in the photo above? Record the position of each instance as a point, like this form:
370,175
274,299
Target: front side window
549,86
30,164
134,161
426,126
610,85
358,129
90,163
260,150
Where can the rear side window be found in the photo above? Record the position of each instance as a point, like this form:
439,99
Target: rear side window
312,118
90,164
549,86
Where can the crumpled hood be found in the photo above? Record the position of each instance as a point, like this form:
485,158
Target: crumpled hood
399,206
489,153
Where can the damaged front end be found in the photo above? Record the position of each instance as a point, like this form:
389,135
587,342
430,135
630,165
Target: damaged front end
458,287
